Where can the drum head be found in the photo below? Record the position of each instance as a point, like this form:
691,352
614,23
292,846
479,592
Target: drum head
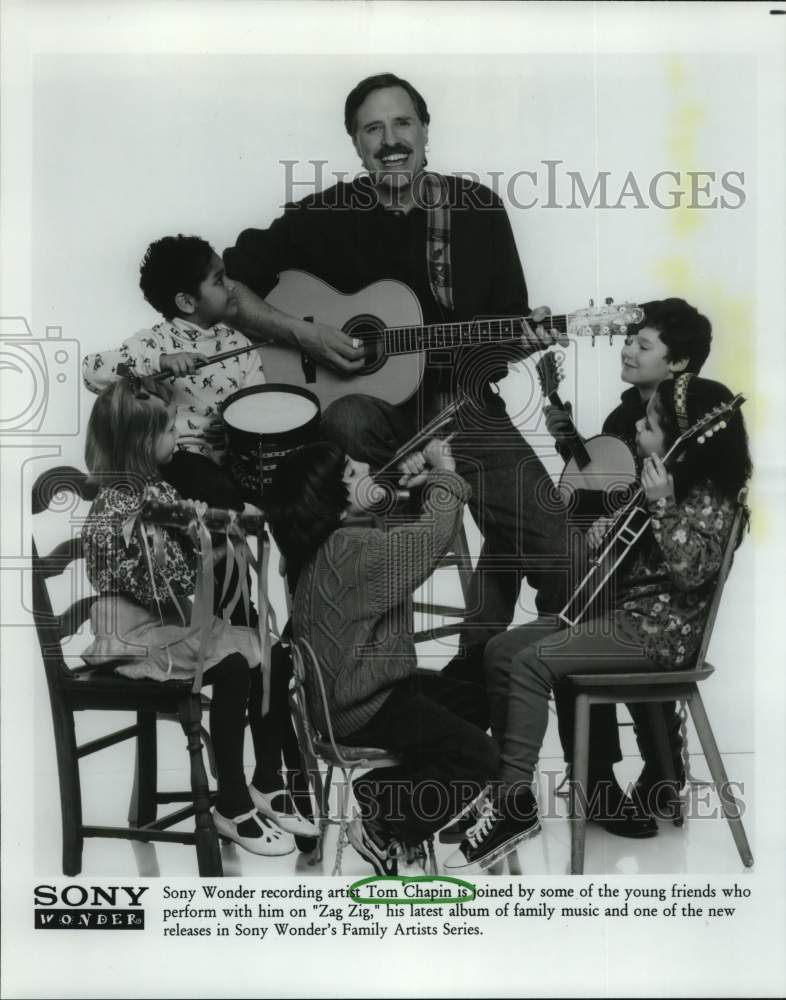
264,423
273,412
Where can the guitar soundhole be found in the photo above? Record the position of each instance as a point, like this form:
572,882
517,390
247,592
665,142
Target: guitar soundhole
369,329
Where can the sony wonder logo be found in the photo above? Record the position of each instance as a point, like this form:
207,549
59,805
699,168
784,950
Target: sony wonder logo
91,907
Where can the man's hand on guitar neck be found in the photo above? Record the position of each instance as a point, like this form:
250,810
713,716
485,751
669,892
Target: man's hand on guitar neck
325,344
540,338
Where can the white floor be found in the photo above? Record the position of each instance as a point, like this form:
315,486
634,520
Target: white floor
702,845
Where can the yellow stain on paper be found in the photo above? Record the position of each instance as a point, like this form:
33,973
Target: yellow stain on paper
733,356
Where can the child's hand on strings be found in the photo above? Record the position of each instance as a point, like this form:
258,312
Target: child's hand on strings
657,482
181,362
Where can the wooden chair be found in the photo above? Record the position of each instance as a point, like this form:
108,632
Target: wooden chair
99,689
460,558
651,689
315,747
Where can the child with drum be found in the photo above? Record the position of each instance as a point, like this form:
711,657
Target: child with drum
183,278
353,604
143,614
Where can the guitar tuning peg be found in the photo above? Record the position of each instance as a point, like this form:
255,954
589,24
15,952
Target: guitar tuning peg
722,425
609,301
700,439
592,303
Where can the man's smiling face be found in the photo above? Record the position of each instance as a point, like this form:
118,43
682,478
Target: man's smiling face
390,139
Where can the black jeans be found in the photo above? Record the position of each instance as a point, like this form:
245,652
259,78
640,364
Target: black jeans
431,722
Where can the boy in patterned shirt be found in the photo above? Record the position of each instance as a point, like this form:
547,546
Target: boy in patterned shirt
183,278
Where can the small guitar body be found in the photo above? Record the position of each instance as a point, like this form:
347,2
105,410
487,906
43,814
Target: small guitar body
597,478
603,485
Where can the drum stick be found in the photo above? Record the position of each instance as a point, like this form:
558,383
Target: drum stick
125,370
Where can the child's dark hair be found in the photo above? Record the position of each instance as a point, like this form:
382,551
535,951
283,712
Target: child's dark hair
173,264
305,501
724,458
682,328
123,428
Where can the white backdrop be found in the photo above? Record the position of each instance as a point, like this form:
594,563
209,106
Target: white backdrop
129,147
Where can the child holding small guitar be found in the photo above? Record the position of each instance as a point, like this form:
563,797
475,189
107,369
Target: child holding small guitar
695,460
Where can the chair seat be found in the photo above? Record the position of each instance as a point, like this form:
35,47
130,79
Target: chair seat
664,678
355,755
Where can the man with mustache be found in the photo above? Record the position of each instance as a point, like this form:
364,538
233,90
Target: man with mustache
449,239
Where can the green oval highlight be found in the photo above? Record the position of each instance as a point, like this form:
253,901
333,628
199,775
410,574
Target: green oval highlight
424,900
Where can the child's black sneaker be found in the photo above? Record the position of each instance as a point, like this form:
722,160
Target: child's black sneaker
457,830
372,843
493,836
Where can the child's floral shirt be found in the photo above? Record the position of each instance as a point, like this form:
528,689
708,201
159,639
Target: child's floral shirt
118,562
663,598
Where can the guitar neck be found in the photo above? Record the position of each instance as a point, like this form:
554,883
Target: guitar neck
573,440
471,333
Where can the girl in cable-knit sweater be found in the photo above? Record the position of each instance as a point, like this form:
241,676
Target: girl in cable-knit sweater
659,605
353,605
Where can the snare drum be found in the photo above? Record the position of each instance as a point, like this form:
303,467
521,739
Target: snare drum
263,424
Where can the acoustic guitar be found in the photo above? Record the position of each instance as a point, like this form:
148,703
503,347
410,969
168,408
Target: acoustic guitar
601,469
387,318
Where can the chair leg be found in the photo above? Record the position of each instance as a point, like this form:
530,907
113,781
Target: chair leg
514,863
70,788
302,770
578,785
461,550
673,810
344,822
144,806
208,851
432,868
729,805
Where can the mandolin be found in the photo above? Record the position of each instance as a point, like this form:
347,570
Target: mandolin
634,519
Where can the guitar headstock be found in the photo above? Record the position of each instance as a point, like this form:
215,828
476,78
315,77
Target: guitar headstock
609,320
549,369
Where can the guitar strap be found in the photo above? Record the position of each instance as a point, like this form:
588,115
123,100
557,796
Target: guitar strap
440,274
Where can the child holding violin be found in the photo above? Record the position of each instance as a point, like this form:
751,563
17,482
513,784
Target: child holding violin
659,607
353,605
